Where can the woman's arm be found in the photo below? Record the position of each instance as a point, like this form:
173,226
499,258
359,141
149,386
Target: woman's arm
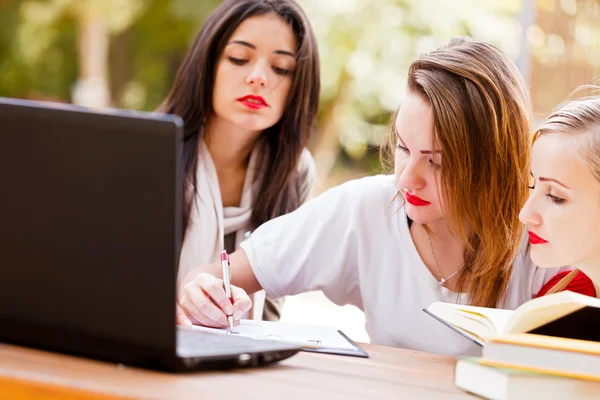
316,247
241,272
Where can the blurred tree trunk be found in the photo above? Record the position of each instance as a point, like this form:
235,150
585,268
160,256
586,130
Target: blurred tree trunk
120,64
527,17
91,89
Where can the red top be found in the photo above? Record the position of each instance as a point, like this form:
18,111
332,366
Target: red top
580,284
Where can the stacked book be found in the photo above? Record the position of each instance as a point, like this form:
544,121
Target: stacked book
547,348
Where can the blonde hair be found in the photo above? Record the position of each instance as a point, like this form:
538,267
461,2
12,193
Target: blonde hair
481,112
580,118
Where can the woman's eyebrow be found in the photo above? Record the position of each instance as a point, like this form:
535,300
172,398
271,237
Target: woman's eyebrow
253,47
422,151
243,43
543,179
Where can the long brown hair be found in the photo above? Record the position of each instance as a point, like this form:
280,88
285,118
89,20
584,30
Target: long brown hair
192,93
481,112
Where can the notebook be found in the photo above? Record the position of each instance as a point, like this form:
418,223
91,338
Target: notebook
564,314
320,339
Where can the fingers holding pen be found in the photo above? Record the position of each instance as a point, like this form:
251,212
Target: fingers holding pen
241,303
213,288
204,302
201,308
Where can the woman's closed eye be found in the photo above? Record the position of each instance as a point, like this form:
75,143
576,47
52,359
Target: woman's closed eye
402,148
276,69
237,61
555,199
281,71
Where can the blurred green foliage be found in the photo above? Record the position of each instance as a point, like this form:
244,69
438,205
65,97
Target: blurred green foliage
39,56
366,47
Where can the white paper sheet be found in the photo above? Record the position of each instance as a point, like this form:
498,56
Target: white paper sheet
307,336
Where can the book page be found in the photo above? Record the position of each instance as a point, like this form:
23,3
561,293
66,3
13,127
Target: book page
496,317
480,321
306,336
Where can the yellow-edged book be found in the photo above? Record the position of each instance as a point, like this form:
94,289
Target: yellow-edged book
544,354
498,383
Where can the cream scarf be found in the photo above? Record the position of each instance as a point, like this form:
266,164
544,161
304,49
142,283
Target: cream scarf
207,215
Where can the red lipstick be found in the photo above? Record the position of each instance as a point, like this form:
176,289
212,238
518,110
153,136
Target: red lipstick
253,101
535,239
415,200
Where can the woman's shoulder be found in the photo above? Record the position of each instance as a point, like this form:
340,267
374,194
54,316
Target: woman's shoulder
307,170
370,189
307,175
374,183
359,188
306,164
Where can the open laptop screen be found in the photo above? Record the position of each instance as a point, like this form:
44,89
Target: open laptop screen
90,226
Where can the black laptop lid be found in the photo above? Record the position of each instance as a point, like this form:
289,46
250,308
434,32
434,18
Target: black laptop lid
90,222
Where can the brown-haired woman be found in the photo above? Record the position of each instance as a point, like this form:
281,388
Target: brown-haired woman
445,227
248,92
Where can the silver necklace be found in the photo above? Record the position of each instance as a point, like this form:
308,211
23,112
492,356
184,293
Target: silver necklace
442,280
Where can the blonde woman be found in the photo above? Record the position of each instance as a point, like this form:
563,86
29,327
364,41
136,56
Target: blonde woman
444,228
563,210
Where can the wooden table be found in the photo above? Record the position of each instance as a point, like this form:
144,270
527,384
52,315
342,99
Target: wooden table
390,373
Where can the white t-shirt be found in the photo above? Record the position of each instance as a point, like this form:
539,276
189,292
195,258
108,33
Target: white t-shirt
353,243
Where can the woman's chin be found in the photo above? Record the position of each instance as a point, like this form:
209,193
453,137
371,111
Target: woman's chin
253,123
543,259
422,215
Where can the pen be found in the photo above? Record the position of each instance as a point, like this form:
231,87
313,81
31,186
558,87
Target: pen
226,267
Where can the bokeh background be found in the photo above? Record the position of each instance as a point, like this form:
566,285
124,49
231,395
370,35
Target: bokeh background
125,53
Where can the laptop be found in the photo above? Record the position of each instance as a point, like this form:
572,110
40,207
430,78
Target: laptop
90,235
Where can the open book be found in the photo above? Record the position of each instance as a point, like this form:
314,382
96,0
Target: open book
564,314
320,339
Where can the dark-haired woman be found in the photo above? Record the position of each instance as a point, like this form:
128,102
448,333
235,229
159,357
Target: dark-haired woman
248,92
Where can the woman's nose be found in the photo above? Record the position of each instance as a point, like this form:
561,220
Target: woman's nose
410,178
258,76
529,215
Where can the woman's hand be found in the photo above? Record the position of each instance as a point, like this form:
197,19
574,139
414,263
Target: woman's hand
203,301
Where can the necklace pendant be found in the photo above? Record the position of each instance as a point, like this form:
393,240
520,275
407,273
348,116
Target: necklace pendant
442,282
